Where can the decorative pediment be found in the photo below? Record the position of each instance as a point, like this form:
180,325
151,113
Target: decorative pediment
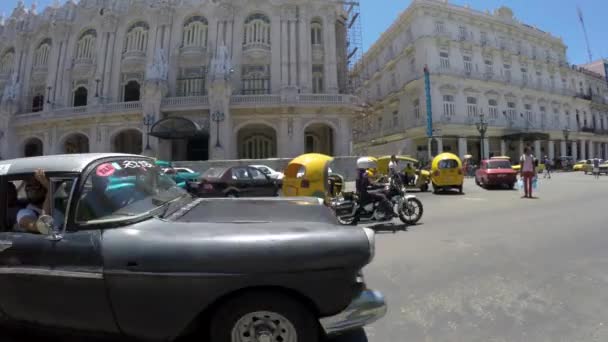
448,89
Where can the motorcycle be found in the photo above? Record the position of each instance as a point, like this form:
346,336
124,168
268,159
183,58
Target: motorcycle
350,211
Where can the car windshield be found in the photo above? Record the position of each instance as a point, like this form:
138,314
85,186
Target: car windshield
125,188
499,164
448,164
214,173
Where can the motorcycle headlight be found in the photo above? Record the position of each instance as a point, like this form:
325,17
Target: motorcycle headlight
371,238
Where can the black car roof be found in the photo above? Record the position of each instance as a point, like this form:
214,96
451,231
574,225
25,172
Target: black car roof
55,163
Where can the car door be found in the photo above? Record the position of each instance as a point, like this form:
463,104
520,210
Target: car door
55,280
242,181
262,184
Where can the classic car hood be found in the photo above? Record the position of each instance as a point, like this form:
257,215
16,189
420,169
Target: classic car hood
239,236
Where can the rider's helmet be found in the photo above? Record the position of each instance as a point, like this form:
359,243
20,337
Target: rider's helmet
366,163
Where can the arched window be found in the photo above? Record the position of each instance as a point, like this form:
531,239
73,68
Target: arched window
85,48
41,56
257,31
493,108
38,103
316,32
132,91
80,97
7,62
317,79
195,32
137,38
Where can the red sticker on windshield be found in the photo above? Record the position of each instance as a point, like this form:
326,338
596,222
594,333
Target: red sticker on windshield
105,170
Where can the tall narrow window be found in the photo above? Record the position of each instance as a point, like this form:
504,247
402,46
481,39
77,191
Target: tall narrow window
528,112
543,115
507,68
132,91
38,103
195,32
256,79
511,110
449,109
524,75
493,108
316,32
556,120
80,97
484,38
471,107
85,47
444,60
192,82
7,62
468,64
440,27
462,32
489,67
136,41
416,104
317,79
257,31
41,56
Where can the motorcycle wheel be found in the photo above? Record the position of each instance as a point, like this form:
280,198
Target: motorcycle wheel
411,211
350,221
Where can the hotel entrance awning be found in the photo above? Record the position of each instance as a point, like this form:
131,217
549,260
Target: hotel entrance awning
174,128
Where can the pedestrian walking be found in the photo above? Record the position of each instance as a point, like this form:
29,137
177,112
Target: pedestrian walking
596,168
528,171
548,165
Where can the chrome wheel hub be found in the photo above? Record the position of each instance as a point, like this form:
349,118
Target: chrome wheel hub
263,326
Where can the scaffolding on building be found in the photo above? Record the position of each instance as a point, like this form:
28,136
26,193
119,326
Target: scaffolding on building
354,43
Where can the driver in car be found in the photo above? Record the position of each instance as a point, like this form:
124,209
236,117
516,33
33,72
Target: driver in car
39,203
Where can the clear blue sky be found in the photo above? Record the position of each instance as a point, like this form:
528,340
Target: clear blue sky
556,16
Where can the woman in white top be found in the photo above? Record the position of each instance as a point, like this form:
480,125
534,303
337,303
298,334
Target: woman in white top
528,171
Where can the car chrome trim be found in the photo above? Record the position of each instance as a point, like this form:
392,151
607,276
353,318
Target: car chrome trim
169,274
369,307
50,273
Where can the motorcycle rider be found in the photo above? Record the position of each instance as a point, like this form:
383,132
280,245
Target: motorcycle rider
364,185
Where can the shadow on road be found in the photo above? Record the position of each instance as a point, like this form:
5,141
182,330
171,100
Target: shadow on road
390,227
354,336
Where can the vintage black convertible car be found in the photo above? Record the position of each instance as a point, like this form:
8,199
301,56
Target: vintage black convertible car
126,252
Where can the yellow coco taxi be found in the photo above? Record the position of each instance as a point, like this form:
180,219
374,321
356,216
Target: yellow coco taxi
309,175
579,166
422,177
446,172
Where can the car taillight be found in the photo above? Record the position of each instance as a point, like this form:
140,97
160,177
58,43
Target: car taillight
436,173
305,183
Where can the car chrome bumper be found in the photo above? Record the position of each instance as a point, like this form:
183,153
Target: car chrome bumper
369,307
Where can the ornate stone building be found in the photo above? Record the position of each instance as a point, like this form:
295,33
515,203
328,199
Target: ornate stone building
209,79
481,64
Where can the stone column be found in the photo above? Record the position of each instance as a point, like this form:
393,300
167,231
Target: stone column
563,148
462,147
439,145
276,54
344,140
293,52
503,147
283,137
583,149
486,148
305,56
537,152
297,137
284,49
591,149
574,151
330,67
551,149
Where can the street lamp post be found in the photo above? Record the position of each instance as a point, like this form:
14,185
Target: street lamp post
148,122
218,117
482,128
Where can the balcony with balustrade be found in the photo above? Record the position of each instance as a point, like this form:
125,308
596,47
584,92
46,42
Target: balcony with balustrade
79,112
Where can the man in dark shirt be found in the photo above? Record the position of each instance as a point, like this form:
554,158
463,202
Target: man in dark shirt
363,186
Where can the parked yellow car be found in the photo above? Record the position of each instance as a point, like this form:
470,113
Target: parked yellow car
579,166
446,172
310,175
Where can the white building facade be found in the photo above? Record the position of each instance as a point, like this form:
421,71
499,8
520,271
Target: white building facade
480,64
208,79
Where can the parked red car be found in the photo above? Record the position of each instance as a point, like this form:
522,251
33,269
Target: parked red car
496,172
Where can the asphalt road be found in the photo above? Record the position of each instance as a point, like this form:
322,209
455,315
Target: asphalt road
489,266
